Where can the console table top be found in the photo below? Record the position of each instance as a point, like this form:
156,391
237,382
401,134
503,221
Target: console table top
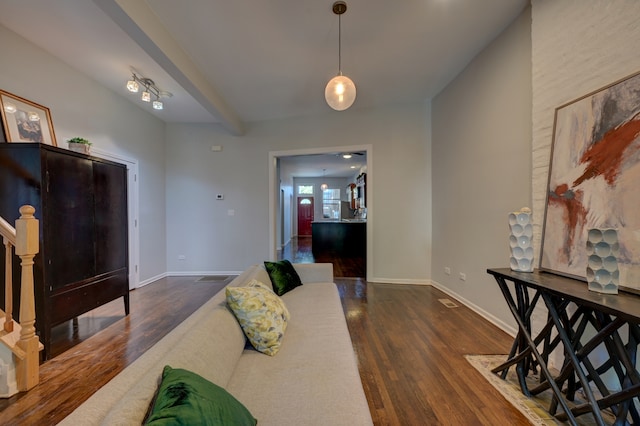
624,305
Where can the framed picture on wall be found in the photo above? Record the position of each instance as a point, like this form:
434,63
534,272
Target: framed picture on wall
594,176
25,121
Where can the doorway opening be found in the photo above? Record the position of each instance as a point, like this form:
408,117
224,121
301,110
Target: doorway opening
286,239
132,212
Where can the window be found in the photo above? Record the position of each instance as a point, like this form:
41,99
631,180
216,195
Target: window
331,204
305,189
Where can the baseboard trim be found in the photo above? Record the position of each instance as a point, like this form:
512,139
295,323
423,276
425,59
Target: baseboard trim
510,330
152,279
199,273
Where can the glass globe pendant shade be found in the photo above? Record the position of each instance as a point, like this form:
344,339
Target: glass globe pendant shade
340,92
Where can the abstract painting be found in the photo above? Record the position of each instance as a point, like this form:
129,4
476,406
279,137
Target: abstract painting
594,180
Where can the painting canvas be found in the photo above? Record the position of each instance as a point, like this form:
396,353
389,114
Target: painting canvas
594,180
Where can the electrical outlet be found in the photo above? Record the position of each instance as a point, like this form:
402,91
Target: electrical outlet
463,276
220,197
447,270
182,257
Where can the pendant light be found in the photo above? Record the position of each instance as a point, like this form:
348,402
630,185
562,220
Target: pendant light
340,92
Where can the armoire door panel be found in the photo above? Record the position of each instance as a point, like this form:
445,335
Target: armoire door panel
70,237
110,217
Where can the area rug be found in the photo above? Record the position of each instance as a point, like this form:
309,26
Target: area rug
535,409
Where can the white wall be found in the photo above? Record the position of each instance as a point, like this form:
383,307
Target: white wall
200,228
482,167
81,107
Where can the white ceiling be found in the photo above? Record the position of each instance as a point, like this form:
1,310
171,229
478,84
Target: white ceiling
318,165
234,62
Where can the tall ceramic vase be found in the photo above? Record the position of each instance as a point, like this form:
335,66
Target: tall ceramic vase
520,225
602,263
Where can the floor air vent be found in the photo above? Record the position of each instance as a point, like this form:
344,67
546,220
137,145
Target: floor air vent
213,278
448,303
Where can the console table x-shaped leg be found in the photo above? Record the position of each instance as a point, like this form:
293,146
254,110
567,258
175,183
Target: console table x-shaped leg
577,371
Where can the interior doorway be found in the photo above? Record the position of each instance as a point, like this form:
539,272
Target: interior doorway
132,212
277,182
305,216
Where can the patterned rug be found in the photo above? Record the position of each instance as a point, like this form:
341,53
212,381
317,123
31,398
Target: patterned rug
535,409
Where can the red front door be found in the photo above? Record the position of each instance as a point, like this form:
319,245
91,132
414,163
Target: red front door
305,215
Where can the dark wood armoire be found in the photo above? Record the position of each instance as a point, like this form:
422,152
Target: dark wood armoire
81,203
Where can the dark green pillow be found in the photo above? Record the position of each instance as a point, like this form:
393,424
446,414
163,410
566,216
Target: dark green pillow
185,398
283,276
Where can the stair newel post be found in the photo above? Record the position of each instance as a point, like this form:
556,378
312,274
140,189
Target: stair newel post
27,369
8,287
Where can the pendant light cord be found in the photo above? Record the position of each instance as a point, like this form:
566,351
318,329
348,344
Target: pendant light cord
340,44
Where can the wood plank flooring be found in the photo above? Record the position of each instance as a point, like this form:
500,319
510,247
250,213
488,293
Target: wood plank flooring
102,345
409,346
299,251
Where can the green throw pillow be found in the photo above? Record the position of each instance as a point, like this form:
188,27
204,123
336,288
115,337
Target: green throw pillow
283,276
261,314
185,398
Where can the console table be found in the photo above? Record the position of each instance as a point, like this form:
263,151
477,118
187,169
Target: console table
571,307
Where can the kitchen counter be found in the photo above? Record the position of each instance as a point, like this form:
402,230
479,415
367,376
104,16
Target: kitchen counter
346,237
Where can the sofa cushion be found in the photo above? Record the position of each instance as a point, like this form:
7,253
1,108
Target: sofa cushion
283,276
261,314
315,375
184,397
212,333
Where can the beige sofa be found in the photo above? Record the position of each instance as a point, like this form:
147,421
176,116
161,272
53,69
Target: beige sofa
312,380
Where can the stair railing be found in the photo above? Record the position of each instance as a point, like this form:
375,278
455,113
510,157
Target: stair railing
24,238
8,233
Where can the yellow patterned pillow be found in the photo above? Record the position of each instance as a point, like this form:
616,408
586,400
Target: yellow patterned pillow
261,314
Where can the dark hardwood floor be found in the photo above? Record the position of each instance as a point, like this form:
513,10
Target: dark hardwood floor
299,250
410,351
103,344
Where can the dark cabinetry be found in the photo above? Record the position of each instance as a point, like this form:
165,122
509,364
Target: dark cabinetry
81,203
348,239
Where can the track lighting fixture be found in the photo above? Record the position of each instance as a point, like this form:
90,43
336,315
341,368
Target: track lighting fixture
150,89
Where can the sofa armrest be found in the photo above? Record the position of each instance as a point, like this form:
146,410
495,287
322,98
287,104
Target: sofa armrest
315,272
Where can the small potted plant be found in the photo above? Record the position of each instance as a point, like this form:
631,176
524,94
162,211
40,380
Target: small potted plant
78,144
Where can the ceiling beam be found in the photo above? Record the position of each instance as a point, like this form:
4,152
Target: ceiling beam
141,24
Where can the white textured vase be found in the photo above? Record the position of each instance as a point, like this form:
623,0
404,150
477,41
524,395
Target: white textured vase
520,240
602,263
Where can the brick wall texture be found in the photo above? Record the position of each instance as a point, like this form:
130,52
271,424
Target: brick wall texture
578,46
